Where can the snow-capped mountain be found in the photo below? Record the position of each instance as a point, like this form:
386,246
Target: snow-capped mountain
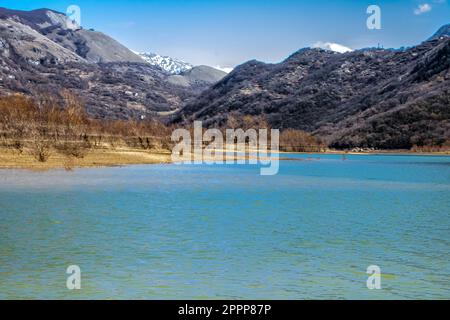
171,65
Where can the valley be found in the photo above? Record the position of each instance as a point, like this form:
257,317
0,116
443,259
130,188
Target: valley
368,99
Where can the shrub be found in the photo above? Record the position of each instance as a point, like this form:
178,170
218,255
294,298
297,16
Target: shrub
299,141
41,148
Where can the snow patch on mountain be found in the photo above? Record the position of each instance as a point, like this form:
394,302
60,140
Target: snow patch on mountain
171,65
336,47
224,69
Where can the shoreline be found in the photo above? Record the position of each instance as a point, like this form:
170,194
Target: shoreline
95,158
379,152
107,157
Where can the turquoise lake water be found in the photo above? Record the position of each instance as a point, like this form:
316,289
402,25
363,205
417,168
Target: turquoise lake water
197,232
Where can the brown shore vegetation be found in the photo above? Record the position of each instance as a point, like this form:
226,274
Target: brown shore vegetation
55,132
58,133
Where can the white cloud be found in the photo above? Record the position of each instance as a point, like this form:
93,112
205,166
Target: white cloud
224,69
422,8
336,47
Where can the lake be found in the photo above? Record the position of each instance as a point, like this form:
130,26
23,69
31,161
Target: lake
225,232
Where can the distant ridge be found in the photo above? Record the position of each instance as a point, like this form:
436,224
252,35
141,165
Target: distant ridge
444,31
378,98
169,64
198,77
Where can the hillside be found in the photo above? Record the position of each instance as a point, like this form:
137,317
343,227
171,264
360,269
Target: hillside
366,98
171,65
199,77
444,31
90,45
38,53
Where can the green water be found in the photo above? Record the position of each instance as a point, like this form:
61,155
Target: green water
194,232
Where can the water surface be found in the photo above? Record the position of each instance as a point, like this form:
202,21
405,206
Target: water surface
194,232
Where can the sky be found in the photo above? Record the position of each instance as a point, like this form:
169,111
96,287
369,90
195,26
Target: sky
225,33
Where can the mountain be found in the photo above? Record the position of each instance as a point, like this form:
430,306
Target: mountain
119,90
38,53
90,45
36,19
183,73
366,98
171,65
198,77
444,31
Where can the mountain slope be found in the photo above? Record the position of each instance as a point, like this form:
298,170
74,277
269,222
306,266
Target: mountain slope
25,42
185,74
171,65
32,63
119,90
92,45
199,78
36,19
88,44
362,98
444,31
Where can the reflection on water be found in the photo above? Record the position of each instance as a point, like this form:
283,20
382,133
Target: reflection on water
192,232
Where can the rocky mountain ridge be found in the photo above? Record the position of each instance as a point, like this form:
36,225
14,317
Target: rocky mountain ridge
366,98
40,53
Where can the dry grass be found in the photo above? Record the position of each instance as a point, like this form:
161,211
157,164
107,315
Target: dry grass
55,132
11,159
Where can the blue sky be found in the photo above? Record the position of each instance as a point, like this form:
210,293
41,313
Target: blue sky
228,32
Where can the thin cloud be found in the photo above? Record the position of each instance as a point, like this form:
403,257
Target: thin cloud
422,8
